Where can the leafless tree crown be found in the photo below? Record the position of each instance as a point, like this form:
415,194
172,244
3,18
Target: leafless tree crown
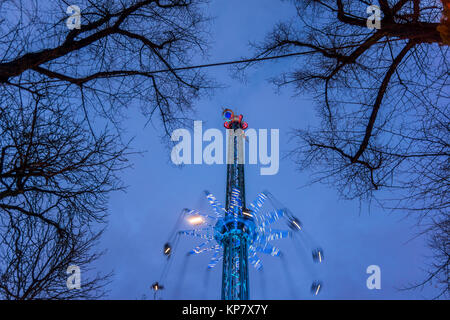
62,90
382,100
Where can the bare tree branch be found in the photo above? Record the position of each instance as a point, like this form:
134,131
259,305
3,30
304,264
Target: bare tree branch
382,103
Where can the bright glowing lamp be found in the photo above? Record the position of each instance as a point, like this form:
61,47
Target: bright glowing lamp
196,220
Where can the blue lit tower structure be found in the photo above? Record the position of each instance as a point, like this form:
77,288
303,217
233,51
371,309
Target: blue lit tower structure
237,233
237,229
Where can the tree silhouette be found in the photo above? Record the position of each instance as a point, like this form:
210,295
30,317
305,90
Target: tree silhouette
107,64
64,93
382,100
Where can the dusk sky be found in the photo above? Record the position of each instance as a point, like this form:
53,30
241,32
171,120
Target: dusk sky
353,235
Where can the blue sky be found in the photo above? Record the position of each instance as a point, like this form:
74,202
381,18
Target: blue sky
352,236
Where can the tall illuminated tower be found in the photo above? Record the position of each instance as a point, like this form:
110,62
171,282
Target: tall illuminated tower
236,230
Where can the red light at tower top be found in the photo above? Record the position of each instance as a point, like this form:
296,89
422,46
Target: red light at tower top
231,118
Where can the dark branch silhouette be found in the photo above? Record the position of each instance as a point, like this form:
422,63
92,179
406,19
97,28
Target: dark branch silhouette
54,182
382,100
62,91
107,64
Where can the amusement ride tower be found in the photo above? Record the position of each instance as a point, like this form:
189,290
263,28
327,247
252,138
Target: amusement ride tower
237,233
237,229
